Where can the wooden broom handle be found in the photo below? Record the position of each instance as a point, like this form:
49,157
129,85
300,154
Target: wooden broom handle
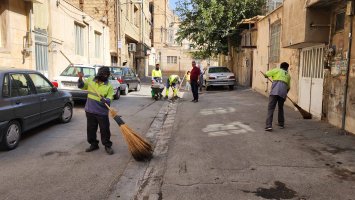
98,94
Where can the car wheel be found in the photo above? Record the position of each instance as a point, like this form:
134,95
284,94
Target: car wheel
231,87
125,91
138,88
67,113
118,94
12,136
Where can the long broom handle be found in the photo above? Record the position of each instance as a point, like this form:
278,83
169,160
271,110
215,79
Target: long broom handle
272,81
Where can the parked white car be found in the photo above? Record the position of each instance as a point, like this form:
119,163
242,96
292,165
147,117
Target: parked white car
219,76
68,80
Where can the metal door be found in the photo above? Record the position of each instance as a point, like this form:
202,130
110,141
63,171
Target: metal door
311,80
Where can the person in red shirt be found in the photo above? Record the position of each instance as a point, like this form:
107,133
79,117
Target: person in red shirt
194,78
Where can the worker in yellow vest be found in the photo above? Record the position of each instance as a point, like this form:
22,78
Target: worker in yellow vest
156,73
95,108
172,82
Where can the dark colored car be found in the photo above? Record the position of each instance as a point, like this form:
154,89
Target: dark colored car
27,100
126,76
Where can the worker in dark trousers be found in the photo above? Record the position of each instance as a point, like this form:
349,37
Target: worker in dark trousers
279,89
96,110
194,79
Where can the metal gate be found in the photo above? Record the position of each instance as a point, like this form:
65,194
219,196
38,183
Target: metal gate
41,52
311,80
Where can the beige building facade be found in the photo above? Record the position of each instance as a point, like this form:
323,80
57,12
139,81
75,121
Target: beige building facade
130,33
173,58
36,32
316,45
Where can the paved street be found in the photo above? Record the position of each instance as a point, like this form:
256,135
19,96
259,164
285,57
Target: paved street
50,162
218,149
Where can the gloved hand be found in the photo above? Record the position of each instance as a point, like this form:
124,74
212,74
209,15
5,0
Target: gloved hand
103,100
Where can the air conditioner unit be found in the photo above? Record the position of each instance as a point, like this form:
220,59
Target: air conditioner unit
132,47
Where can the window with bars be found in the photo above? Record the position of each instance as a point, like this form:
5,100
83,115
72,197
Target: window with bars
172,60
275,42
97,44
79,39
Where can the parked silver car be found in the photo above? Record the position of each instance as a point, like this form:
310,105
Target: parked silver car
27,100
219,76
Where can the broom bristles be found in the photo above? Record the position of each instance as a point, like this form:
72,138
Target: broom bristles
140,149
305,114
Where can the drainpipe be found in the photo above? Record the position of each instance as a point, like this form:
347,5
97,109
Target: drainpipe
103,45
88,25
346,87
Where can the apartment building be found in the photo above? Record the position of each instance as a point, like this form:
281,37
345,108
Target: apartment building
129,22
34,33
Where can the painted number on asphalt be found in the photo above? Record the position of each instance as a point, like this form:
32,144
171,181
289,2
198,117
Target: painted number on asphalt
215,111
234,128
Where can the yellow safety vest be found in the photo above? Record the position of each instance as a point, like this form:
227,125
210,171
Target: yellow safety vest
156,73
105,90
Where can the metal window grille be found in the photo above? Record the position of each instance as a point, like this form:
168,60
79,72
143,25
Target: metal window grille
313,63
275,42
97,45
79,40
41,53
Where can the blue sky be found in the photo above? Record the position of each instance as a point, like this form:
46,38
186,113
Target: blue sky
172,3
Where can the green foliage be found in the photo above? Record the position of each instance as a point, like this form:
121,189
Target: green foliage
210,24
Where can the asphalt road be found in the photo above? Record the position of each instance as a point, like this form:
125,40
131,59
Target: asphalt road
51,162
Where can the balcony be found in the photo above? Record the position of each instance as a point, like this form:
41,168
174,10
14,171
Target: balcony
311,26
321,3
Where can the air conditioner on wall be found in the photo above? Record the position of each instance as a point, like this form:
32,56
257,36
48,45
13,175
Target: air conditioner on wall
132,47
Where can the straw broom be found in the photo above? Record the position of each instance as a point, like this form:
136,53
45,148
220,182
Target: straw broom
140,149
304,113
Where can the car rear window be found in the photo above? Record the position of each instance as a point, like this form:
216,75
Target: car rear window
6,86
116,70
218,70
73,71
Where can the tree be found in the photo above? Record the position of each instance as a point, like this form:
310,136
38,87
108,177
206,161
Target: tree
210,24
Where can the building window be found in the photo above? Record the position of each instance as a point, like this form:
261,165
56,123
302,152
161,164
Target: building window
275,42
97,44
79,39
340,21
172,59
136,16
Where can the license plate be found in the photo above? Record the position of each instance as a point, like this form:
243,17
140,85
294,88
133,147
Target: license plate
70,84
222,77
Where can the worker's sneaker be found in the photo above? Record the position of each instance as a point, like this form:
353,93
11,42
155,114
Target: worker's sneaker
109,150
166,97
92,148
281,126
268,129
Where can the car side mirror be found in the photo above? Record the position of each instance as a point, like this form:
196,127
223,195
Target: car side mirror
54,89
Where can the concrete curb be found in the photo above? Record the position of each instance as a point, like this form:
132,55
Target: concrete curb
143,180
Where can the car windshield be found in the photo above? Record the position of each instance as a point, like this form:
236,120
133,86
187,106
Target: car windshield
218,70
73,71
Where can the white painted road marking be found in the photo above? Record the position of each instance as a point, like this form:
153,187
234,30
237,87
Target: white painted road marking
234,128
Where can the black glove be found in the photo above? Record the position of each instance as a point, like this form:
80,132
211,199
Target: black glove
103,100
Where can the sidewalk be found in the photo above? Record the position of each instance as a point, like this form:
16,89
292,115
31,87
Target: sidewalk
219,150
